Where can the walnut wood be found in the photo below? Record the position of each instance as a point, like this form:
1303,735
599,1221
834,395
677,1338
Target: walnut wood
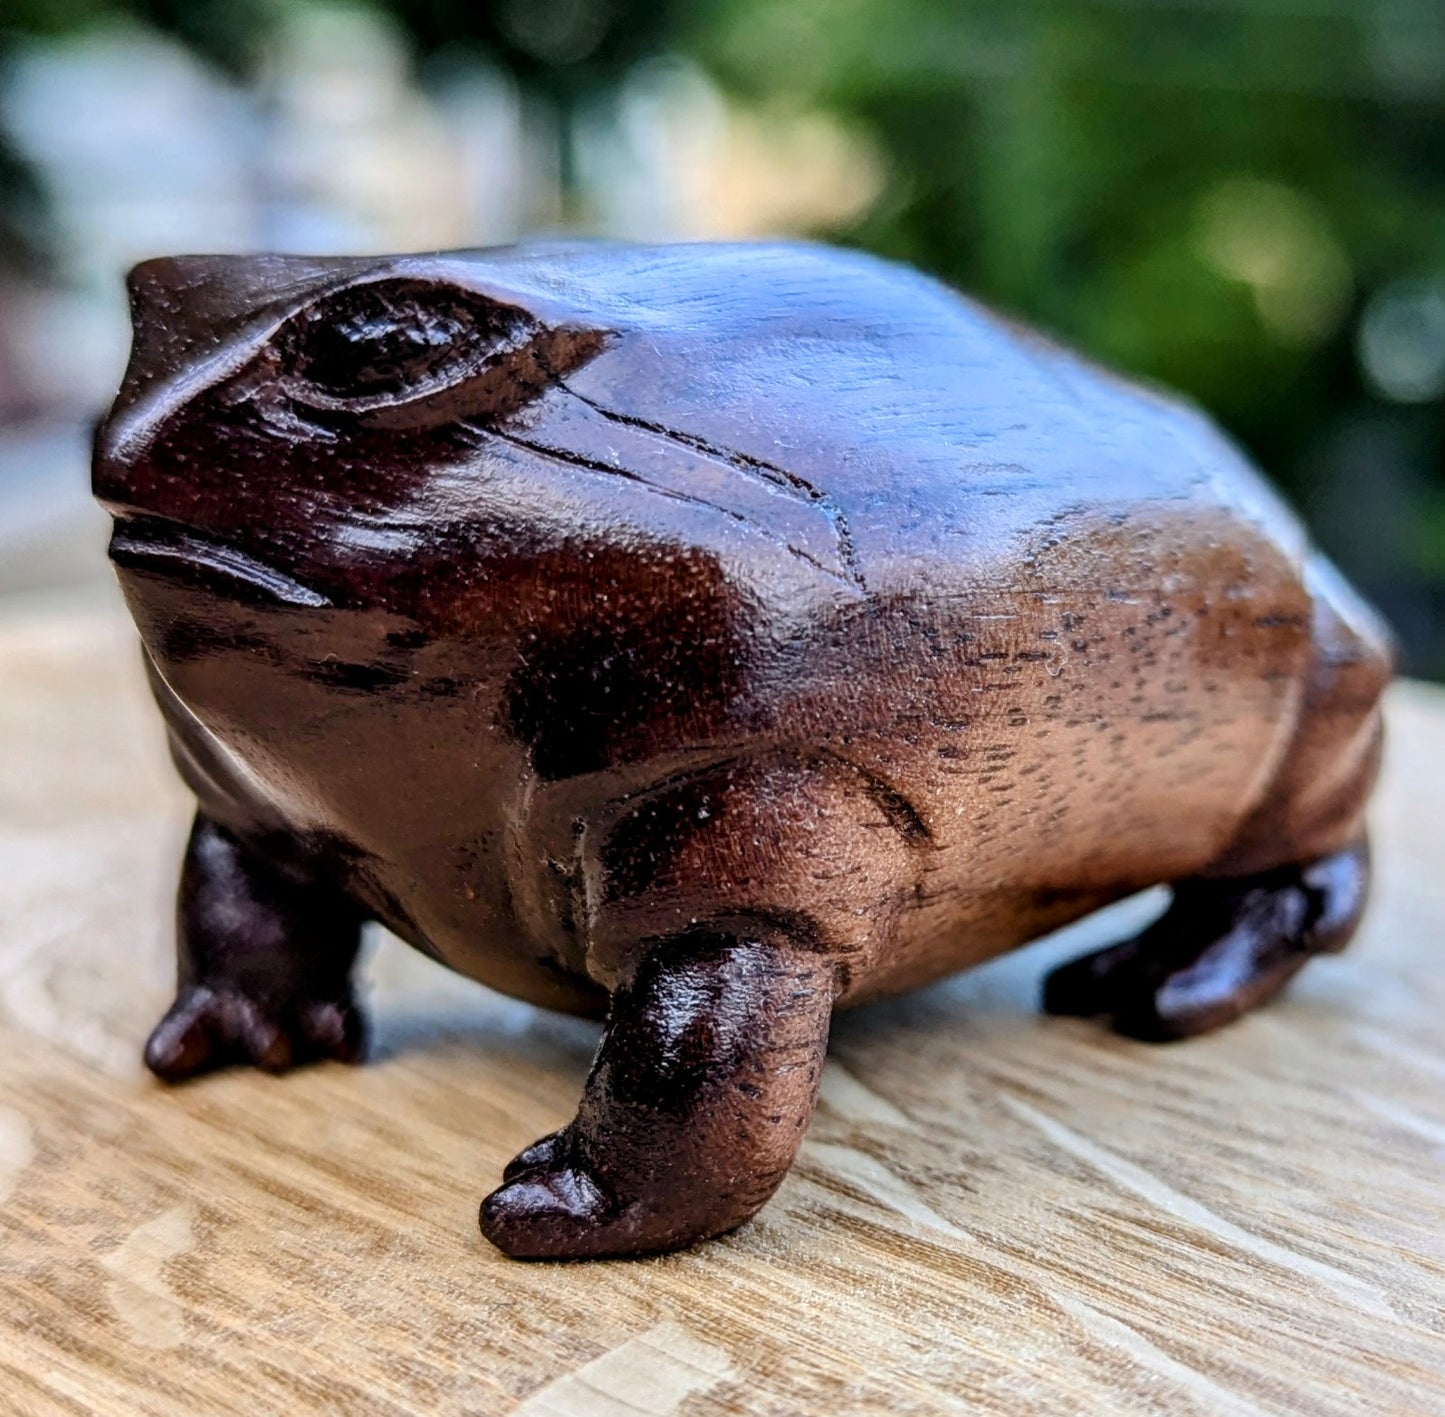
993,1211
574,609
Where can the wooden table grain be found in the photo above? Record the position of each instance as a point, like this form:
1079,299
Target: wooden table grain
993,1212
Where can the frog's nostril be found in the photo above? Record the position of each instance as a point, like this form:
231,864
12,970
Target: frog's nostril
173,327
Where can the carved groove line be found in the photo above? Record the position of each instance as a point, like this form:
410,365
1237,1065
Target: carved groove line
745,464
575,459
897,808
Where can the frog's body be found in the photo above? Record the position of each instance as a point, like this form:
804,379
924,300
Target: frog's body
733,632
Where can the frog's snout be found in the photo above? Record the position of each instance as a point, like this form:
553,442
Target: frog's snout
179,312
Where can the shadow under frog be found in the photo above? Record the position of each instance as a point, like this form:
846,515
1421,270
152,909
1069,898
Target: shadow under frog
706,638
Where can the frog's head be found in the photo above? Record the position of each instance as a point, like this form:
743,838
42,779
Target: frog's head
325,472
289,430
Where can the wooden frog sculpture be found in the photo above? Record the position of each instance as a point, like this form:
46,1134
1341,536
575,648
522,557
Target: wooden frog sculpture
707,637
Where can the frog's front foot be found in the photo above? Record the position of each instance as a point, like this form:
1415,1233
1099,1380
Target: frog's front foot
264,966
696,1104
211,1027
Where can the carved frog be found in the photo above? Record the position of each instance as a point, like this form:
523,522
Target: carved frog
706,638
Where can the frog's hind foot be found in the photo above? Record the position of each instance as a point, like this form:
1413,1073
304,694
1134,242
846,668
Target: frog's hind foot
1223,947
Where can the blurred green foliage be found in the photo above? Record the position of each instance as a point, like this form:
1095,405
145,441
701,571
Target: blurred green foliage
1210,193
1070,161
1216,194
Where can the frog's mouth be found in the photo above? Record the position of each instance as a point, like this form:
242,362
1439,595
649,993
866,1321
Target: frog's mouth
154,546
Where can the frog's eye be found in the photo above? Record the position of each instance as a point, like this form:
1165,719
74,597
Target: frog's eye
390,343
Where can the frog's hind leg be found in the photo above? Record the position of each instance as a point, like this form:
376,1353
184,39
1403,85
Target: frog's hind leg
1291,884
1223,947
726,912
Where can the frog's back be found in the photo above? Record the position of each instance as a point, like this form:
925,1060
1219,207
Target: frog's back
944,434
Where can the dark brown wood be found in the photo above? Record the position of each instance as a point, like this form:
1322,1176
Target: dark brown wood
730,633
264,963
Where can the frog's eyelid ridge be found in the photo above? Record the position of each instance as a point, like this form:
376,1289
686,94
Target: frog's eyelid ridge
483,331
364,376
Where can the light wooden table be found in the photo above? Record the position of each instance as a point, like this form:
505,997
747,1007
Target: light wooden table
993,1213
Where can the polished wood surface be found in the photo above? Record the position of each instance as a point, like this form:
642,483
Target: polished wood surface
993,1212
708,637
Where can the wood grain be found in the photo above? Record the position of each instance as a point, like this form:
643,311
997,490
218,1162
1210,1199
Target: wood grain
993,1212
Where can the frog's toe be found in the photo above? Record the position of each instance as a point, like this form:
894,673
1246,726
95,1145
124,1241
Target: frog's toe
1245,966
187,1040
542,1155
334,1029
560,1212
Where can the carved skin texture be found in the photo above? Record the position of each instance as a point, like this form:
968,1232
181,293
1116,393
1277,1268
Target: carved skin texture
706,638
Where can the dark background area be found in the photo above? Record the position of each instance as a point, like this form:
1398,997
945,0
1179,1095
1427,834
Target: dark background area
1242,199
